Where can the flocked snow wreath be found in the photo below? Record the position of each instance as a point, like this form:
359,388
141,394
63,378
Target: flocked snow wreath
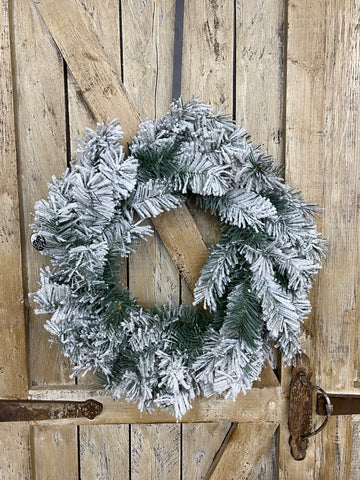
253,286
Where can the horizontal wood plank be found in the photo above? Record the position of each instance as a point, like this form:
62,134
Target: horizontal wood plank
258,405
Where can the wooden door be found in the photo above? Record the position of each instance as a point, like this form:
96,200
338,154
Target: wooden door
288,72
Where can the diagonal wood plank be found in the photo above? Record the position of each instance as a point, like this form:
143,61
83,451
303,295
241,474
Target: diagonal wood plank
241,451
93,68
98,78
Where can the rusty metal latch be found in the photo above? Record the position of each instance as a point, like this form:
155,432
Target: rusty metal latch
32,410
301,407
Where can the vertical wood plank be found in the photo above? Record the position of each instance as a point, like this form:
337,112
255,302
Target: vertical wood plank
41,129
355,449
339,326
104,452
259,72
267,467
208,52
147,29
304,164
15,458
259,105
200,444
13,366
147,53
148,43
54,452
207,71
322,160
155,452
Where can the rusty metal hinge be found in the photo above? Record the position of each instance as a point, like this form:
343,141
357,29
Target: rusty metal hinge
32,410
301,407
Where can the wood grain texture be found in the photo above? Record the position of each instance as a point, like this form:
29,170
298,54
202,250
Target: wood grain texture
155,452
208,52
268,466
41,135
13,362
183,239
104,452
15,458
90,63
259,102
258,405
322,159
147,53
148,43
54,452
241,451
200,442
355,449
304,164
207,71
260,73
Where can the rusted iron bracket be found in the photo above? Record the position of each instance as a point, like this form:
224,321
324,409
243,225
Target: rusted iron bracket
300,408
32,410
342,404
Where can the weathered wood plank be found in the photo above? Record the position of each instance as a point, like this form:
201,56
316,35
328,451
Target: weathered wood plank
305,100
338,326
104,452
259,91
207,71
155,452
200,443
41,134
322,160
268,466
260,73
258,405
15,458
355,449
241,452
147,42
13,362
208,52
182,238
54,452
92,66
